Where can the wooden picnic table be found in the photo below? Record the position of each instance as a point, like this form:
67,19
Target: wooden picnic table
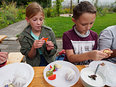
14,57
39,81
2,37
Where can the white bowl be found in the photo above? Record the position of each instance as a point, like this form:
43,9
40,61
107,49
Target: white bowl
89,82
108,70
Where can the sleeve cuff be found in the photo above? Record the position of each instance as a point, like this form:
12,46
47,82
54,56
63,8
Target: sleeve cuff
3,64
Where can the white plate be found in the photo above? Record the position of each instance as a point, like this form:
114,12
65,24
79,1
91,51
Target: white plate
109,71
60,74
8,72
95,63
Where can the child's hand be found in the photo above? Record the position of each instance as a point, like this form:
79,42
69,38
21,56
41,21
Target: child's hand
38,43
3,57
108,52
97,55
49,45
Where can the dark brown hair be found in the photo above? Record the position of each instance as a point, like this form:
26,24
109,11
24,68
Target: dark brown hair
32,9
83,7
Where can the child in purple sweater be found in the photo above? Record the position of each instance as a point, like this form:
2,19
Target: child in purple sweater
80,43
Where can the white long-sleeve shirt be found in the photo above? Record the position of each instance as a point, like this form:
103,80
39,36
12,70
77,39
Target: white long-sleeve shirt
107,39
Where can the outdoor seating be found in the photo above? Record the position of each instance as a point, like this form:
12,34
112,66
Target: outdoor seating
2,37
59,16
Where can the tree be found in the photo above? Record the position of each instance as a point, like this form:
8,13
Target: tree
58,6
77,1
43,3
48,3
70,6
96,2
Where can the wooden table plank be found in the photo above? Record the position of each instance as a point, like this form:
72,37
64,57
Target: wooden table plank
79,84
39,81
2,37
14,57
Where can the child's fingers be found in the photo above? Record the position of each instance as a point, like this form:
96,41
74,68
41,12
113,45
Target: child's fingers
38,43
49,44
42,38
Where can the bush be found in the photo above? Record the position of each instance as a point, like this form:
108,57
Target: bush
21,13
114,7
65,11
100,11
9,14
50,12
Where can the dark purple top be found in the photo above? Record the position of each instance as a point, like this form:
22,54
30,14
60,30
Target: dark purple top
72,35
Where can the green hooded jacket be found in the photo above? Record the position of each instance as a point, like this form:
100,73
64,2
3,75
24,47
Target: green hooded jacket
26,41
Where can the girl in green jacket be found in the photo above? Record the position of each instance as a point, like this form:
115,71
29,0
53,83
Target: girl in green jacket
37,42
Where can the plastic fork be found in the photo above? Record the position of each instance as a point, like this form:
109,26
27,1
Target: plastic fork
94,75
19,82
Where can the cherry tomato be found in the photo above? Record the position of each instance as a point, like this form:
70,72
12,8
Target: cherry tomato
50,66
54,70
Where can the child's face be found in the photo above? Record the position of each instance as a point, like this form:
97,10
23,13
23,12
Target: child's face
84,22
36,21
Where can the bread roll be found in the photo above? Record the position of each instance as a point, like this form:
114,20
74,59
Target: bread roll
69,76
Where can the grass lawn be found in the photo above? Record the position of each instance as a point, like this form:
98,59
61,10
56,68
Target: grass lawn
62,24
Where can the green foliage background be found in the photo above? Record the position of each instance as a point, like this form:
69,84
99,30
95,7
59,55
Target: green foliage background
63,24
10,13
44,3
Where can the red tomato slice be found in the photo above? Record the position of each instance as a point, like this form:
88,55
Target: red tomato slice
52,77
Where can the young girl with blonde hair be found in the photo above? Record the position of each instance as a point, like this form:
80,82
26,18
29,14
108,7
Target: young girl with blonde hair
37,41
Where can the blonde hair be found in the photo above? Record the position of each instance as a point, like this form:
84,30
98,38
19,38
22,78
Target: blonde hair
32,9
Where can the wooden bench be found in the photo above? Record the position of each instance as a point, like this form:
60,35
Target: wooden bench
2,37
14,57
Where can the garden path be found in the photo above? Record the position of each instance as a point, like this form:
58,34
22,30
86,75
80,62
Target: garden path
11,43
66,15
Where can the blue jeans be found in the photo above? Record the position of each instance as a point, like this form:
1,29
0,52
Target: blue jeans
43,62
